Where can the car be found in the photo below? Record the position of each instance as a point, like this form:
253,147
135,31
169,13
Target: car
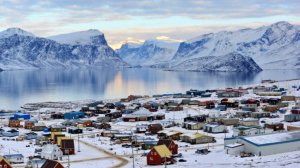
179,155
181,160
202,151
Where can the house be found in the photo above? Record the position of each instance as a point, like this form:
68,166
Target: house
103,119
214,128
52,152
275,126
14,123
75,130
250,130
52,164
229,93
57,116
110,105
40,126
122,138
171,145
148,144
58,128
14,158
192,125
249,122
154,128
197,118
109,133
249,107
166,134
174,108
159,155
114,115
229,103
141,128
271,108
102,125
292,117
229,121
140,115
55,135
4,163
67,146
209,105
221,107
10,133
29,124
262,145
288,98
59,139
194,92
260,115
293,127
243,114
196,138
74,115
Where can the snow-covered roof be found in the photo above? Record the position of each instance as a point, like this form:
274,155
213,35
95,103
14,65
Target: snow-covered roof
234,145
274,138
140,113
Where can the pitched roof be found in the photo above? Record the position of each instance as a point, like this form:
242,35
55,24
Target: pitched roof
1,158
50,164
163,151
166,142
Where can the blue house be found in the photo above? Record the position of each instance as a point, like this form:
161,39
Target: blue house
19,115
74,115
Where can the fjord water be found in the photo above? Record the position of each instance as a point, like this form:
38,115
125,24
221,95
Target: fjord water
26,86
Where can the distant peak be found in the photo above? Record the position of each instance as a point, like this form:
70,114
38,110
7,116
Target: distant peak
15,31
282,25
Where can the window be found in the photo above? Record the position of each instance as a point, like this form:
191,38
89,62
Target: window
151,158
154,153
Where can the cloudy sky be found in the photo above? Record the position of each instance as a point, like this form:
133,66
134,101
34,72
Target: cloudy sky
137,20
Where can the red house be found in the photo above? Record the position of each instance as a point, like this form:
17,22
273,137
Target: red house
4,163
67,146
159,155
170,144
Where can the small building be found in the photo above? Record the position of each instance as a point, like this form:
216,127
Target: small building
51,151
114,115
165,134
154,128
141,128
75,130
229,121
148,144
170,144
249,122
52,164
214,128
109,133
4,163
74,115
271,108
196,138
275,126
293,127
14,123
29,124
260,115
14,158
288,98
158,155
192,125
250,130
102,125
67,146
58,128
292,117
40,126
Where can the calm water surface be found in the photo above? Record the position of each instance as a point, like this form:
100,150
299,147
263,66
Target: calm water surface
20,87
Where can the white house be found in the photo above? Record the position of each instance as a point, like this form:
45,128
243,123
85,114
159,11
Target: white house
250,130
51,152
214,128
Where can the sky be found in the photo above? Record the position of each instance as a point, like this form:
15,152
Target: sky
138,20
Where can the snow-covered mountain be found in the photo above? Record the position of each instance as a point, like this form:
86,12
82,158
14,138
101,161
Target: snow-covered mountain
150,52
271,47
22,50
234,62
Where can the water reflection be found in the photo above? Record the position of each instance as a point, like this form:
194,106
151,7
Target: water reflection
20,87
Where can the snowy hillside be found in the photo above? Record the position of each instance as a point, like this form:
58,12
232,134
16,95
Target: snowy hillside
151,52
271,47
231,62
22,50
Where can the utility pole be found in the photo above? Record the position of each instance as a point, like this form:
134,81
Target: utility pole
78,144
132,151
165,161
